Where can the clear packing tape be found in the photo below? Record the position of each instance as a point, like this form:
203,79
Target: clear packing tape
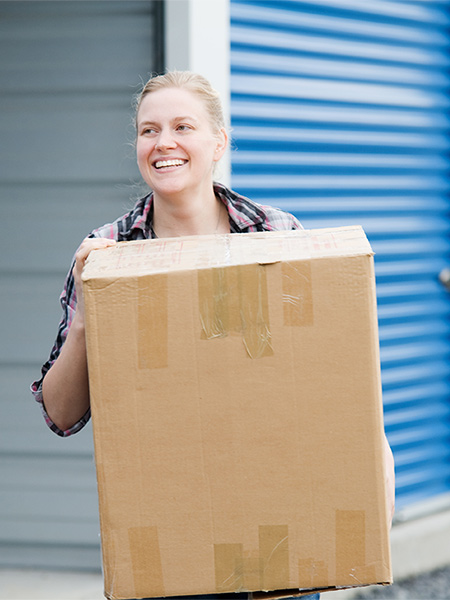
235,300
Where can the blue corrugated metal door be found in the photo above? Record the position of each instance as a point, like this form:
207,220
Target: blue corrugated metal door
340,115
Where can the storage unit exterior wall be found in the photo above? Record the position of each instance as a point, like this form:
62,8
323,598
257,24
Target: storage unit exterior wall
68,72
339,114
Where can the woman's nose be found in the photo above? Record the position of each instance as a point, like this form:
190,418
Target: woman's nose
165,140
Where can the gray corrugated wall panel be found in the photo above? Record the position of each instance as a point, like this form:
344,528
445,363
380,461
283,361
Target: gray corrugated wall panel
340,115
68,71
41,208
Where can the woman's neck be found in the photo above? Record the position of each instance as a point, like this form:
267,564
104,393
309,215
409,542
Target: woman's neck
189,216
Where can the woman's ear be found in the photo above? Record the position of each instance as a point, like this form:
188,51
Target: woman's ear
222,143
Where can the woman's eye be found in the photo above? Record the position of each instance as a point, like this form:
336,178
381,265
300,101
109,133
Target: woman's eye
183,127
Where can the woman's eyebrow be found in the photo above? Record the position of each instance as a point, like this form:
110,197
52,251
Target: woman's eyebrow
174,120
185,118
146,122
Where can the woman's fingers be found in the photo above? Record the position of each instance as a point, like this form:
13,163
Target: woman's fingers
86,247
89,244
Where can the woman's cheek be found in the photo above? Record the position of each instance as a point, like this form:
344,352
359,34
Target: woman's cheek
143,151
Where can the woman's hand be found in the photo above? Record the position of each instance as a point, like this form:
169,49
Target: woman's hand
86,247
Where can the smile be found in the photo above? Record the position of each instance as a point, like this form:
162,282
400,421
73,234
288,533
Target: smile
176,162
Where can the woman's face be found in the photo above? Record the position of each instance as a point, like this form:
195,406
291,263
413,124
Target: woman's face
176,145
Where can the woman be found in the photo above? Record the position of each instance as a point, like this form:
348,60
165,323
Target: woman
180,138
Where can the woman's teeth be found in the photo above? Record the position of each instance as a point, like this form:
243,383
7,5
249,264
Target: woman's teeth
169,163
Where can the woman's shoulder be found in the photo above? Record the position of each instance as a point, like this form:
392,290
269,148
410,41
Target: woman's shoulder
278,219
249,215
131,226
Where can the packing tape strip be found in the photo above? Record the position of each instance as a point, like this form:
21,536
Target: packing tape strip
229,567
312,573
235,300
274,555
255,310
107,534
152,315
146,562
351,543
269,570
218,302
297,294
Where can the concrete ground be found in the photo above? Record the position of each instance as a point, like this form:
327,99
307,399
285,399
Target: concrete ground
24,584
428,586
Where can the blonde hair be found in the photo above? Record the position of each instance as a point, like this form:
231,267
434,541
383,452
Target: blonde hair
193,82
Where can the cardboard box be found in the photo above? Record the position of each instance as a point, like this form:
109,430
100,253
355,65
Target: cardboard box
237,414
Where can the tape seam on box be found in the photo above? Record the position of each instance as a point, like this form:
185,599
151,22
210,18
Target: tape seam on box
146,561
235,299
152,316
237,571
297,294
350,543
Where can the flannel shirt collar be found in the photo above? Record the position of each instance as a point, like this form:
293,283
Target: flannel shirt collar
243,213
141,217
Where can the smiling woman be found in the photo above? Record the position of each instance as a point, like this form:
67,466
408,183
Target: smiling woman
177,149
180,138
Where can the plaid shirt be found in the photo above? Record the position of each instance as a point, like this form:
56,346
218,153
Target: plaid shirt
245,216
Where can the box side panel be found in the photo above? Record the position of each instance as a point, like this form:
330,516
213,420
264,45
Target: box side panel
240,470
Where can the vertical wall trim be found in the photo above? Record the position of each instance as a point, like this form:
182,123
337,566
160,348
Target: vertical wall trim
197,38
159,58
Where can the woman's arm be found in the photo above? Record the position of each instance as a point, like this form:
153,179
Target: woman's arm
65,388
390,479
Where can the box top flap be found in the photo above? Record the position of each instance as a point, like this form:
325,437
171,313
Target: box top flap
146,257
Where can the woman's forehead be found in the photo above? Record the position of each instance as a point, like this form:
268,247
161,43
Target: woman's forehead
171,103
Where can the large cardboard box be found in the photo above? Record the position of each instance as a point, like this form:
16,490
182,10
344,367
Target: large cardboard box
237,414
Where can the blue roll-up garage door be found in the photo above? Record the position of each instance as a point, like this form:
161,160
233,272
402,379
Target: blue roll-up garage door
340,115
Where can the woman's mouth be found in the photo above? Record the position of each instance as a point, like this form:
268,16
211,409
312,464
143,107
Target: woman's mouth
163,164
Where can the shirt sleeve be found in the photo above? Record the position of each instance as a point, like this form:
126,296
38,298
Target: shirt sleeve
68,304
296,223
277,219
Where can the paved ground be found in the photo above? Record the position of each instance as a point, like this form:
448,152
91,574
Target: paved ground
433,585
22,584
42,585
